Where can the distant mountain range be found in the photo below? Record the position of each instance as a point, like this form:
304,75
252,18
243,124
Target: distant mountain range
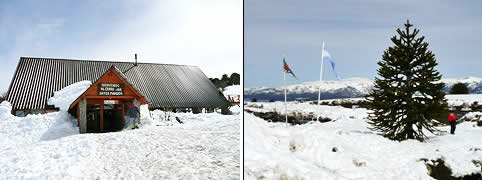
346,88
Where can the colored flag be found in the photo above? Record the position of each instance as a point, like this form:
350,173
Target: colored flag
327,57
287,68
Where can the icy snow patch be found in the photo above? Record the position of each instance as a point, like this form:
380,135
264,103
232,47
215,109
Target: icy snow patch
66,96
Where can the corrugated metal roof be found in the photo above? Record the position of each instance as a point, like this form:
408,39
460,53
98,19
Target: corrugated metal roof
128,82
164,85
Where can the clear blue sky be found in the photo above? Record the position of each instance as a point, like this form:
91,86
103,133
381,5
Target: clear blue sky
206,33
355,33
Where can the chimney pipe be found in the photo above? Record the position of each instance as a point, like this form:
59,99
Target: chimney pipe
135,56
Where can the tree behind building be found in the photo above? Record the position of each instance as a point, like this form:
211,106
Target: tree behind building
226,80
3,97
235,79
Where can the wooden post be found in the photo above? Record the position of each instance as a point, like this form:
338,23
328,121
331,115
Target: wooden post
123,120
78,114
102,118
83,115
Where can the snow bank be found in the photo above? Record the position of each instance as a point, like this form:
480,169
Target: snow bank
17,131
32,146
63,98
212,121
5,110
463,99
235,109
35,128
472,116
347,149
337,112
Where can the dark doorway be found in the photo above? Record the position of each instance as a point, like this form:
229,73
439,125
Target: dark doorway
113,117
93,118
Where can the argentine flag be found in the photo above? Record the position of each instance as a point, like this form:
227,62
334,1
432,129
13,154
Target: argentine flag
327,58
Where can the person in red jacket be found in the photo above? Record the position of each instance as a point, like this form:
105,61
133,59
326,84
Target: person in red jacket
452,122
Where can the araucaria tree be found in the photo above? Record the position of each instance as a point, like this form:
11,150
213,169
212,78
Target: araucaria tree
408,94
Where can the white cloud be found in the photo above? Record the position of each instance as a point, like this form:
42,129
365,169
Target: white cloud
207,34
26,41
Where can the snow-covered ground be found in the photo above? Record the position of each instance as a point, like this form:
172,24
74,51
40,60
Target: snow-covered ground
233,90
275,151
49,146
304,108
467,99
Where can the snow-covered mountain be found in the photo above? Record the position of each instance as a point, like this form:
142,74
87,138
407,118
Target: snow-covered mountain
473,83
346,88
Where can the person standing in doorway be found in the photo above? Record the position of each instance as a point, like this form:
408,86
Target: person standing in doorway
133,113
452,122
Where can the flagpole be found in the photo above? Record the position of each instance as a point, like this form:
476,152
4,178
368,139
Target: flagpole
321,73
286,109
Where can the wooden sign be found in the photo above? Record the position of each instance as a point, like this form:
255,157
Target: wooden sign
110,89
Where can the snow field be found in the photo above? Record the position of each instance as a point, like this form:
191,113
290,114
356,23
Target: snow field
274,151
337,112
194,151
452,99
463,99
49,146
205,146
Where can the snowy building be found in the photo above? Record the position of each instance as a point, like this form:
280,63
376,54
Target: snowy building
114,86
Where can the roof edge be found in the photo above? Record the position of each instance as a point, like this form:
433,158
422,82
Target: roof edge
108,61
13,78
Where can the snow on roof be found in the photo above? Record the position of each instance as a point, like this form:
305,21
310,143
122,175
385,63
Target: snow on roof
63,98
